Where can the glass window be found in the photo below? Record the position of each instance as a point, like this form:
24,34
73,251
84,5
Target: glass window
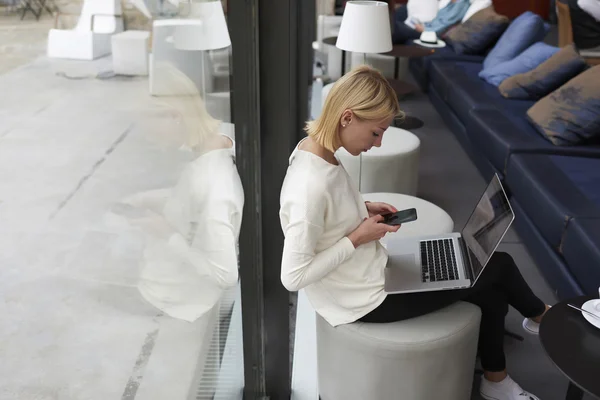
120,204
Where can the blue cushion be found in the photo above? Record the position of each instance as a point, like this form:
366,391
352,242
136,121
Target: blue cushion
547,77
525,30
581,250
533,56
545,188
570,115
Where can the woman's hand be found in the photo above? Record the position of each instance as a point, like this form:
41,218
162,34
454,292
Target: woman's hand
369,230
420,28
378,208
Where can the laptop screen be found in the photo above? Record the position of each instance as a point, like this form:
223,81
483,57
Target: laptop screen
487,225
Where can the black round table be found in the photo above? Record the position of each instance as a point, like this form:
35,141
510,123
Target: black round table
573,345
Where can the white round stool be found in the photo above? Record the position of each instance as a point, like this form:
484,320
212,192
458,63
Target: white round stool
393,167
431,219
428,357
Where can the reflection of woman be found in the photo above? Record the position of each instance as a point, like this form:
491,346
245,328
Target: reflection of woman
192,230
332,248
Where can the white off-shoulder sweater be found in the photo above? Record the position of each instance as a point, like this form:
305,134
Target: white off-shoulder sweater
320,206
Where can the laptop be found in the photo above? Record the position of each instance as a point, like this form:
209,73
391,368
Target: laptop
453,260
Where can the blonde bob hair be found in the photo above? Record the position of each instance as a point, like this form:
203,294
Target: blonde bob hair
199,125
364,91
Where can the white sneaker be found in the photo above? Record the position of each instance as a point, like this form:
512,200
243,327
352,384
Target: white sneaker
531,326
505,390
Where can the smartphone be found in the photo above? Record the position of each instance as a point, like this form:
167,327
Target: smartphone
400,217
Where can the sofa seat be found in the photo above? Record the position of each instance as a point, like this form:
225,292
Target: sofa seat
498,134
581,250
553,190
420,66
551,264
464,91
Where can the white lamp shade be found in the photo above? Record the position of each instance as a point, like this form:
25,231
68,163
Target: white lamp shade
365,28
206,31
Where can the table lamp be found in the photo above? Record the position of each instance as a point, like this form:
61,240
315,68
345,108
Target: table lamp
206,30
365,29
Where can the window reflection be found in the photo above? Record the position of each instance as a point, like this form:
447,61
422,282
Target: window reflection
191,230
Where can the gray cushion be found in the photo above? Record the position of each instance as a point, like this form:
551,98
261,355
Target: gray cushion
571,114
478,33
548,76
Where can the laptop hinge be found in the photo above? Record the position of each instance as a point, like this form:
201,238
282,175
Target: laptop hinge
466,258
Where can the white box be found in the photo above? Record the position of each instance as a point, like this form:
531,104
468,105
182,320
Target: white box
130,52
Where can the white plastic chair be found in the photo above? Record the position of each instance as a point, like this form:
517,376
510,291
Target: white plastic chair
91,37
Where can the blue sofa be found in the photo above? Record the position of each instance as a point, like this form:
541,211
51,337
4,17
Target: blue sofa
554,190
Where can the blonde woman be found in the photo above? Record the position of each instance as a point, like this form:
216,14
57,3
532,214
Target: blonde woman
332,248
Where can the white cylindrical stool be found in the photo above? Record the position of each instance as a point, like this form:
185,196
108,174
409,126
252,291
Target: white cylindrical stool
393,167
130,52
429,357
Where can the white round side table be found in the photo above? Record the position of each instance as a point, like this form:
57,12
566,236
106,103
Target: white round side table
392,168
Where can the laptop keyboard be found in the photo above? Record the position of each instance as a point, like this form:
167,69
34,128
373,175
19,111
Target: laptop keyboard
438,261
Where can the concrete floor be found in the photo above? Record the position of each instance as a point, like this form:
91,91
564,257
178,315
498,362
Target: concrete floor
22,41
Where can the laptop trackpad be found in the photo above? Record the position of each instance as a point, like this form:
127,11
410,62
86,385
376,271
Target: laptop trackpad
401,271
402,260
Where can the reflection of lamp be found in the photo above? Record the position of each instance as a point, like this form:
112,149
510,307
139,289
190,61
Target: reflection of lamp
206,31
365,29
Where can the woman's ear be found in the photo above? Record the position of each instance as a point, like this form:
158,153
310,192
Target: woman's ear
346,119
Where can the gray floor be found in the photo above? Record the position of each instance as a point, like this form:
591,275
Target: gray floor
448,178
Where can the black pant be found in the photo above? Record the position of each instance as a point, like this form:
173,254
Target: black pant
586,30
402,32
500,284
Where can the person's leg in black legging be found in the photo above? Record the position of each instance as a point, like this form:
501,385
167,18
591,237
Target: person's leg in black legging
494,307
399,307
502,273
500,284
586,30
401,13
